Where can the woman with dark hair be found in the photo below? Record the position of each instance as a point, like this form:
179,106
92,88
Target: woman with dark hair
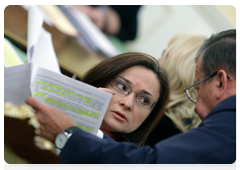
123,74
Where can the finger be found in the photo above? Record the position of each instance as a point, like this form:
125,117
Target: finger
40,117
107,90
46,134
34,103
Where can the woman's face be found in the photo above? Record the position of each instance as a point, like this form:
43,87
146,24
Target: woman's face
124,114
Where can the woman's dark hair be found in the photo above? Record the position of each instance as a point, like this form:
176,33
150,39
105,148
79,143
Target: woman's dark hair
105,71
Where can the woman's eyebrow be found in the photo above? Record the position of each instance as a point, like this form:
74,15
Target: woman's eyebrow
126,80
130,83
146,92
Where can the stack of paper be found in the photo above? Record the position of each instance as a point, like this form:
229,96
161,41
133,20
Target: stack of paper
41,78
40,49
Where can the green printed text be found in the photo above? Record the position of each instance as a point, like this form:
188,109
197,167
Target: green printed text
75,110
59,88
85,128
40,94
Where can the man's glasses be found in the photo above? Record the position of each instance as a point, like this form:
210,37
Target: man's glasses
191,95
123,88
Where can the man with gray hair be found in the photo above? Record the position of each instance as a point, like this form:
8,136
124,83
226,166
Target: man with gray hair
212,142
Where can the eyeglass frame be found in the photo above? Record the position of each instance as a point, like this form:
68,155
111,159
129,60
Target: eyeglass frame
208,77
131,92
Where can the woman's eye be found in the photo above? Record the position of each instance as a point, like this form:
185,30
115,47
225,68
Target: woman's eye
144,101
121,86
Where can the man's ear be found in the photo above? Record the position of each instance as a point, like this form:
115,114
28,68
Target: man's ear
221,83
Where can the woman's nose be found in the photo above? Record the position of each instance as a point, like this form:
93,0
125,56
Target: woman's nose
127,101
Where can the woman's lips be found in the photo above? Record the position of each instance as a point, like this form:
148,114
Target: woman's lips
119,116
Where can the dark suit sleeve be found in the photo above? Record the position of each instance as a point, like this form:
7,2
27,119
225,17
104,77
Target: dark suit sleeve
165,129
85,148
213,142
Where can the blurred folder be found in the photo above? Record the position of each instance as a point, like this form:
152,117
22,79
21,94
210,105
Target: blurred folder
89,32
12,55
60,21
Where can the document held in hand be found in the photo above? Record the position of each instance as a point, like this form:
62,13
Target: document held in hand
85,104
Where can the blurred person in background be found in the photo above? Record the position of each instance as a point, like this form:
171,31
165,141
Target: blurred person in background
178,61
117,20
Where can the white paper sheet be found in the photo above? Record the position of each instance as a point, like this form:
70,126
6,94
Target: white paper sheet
44,55
47,19
35,22
40,47
16,83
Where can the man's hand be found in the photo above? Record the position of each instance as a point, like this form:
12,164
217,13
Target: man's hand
52,121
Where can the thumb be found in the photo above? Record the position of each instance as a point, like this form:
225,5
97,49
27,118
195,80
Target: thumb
34,103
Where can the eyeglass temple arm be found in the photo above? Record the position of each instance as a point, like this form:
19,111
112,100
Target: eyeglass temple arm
203,80
230,78
196,83
200,81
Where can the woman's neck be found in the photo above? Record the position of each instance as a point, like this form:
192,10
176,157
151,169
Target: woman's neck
108,133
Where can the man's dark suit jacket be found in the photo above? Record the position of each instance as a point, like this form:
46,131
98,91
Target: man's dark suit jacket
213,142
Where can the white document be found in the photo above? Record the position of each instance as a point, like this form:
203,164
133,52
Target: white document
40,50
47,19
16,83
35,22
85,104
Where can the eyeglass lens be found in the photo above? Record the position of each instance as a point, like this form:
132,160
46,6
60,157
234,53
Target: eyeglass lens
125,89
191,96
